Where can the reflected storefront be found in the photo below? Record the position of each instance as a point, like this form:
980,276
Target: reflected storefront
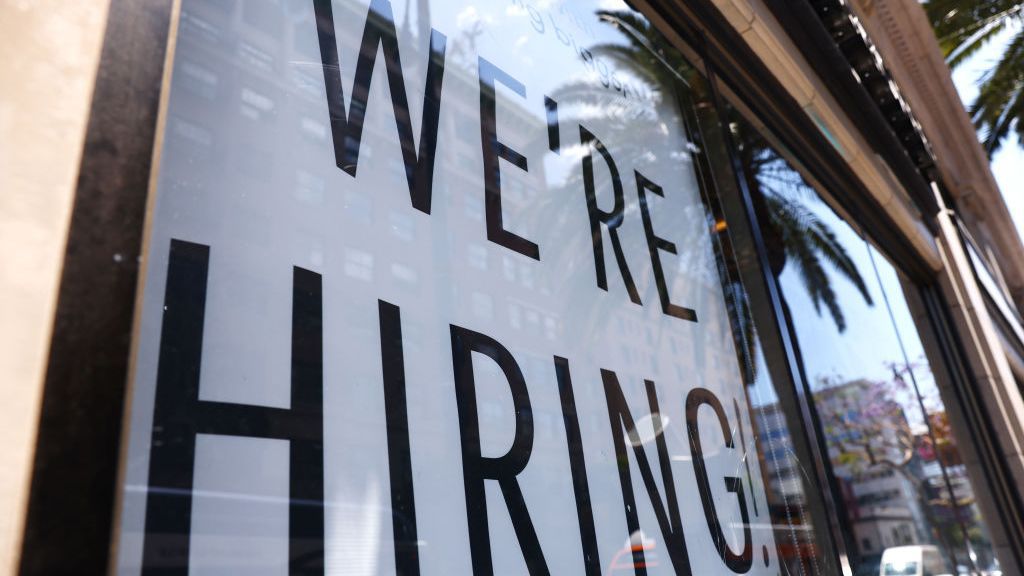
514,287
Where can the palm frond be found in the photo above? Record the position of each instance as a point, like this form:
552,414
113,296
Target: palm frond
810,244
972,44
957,22
998,106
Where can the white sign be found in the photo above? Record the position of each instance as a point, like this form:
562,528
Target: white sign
433,292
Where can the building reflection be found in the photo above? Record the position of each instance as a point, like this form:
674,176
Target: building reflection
893,481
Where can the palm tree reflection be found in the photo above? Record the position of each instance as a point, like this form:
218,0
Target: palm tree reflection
792,233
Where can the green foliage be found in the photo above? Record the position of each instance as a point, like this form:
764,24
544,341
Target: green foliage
791,227
793,232
809,244
963,27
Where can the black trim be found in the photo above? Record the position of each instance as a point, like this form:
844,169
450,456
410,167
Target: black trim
729,60
728,197
797,399
728,57
732,60
826,56
999,477
1002,323
70,515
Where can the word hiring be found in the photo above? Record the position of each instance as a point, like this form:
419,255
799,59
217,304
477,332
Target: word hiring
180,416
379,35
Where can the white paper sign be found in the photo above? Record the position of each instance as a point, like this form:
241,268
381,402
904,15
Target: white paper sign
430,288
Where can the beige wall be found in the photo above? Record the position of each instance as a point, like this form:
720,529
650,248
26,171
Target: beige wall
988,367
49,51
902,34
771,43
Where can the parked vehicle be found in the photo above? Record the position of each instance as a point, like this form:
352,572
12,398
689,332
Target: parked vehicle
917,560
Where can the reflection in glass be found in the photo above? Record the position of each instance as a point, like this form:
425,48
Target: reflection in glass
897,471
663,73
608,115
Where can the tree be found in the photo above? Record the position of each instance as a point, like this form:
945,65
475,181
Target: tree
867,432
962,28
791,231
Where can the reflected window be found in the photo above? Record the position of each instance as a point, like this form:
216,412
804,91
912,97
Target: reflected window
198,79
314,130
358,206
404,273
267,16
309,188
256,105
508,268
515,318
358,264
199,29
473,207
193,134
482,305
403,226
254,58
477,256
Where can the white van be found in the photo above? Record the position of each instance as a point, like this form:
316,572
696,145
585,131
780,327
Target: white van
913,561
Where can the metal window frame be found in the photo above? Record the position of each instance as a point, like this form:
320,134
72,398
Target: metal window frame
732,62
983,436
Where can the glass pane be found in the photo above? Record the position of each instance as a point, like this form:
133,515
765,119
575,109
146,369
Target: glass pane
902,484
448,288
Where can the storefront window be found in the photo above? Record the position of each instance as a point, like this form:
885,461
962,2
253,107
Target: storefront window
448,288
902,485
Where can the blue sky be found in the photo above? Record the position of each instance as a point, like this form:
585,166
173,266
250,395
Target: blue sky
1008,163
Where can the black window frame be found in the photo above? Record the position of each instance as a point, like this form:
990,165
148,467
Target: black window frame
733,64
